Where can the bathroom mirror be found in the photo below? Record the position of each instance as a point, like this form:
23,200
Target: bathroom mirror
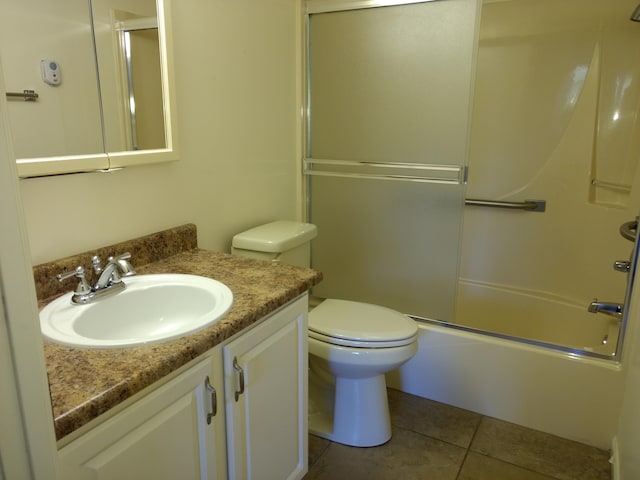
113,106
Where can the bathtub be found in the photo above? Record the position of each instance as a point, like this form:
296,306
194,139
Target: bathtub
562,392
539,317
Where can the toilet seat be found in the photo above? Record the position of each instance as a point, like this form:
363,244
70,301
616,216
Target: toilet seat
360,325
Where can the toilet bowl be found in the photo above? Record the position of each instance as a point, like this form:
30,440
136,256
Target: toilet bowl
352,345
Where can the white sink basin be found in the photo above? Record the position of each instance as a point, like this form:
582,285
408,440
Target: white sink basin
152,309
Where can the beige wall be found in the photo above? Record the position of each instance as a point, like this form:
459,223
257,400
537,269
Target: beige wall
236,80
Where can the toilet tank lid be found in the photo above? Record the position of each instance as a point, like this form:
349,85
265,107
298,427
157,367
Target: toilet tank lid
275,237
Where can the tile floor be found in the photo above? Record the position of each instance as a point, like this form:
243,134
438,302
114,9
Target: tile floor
439,442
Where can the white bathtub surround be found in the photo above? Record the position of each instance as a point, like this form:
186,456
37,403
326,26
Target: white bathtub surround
558,393
535,315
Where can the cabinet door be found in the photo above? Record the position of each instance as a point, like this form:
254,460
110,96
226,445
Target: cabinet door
267,419
165,435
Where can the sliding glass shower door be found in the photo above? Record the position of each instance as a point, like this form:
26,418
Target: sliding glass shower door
388,122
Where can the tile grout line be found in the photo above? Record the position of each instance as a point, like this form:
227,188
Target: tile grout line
322,454
472,434
468,449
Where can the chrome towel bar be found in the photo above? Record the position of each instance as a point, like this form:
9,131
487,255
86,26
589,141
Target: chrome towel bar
413,172
529,205
27,95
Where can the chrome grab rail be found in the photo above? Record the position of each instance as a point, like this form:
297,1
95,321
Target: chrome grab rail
529,205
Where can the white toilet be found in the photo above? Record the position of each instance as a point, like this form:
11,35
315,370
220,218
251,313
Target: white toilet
351,345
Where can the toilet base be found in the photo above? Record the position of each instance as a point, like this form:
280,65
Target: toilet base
350,411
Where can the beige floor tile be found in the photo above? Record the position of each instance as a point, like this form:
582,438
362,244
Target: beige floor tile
550,455
407,456
480,467
317,447
434,419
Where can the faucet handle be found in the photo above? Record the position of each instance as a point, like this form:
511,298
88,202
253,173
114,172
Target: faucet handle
622,266
83,287
126,269
96,262
122,256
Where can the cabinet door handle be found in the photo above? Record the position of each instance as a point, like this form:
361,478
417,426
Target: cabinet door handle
214,400
238,369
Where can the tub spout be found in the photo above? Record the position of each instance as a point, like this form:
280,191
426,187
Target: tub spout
608,308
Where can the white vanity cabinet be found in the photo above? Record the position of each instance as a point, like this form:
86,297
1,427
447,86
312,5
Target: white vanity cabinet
164,435
266,398
176,431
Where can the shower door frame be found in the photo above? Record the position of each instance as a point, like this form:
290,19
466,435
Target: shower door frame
454,174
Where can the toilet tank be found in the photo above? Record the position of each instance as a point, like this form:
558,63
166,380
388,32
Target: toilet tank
282,241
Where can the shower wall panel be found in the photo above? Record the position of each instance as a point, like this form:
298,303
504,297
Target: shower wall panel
538,101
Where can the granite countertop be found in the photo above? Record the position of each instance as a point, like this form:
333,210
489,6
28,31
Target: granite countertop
86,383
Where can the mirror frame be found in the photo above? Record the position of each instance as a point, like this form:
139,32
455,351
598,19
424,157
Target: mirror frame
104,162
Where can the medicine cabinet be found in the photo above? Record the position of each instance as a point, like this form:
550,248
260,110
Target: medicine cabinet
114,103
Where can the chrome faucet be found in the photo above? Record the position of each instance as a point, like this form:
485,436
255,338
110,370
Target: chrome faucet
613,309
112,272
109,281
